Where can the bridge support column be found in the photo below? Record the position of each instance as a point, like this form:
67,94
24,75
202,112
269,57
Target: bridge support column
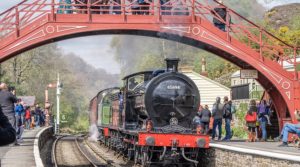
281,108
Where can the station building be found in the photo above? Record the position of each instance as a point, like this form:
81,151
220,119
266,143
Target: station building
209,89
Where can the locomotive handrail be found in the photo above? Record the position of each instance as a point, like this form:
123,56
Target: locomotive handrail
17,18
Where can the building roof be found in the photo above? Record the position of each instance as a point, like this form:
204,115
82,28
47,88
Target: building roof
236,74
208,89
28,100
290,65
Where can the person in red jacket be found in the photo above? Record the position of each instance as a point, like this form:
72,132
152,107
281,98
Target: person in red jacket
27,117
251,124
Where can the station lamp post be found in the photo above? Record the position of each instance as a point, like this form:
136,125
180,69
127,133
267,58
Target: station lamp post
47,103
58,87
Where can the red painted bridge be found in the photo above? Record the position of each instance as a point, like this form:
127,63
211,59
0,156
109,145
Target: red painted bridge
33,23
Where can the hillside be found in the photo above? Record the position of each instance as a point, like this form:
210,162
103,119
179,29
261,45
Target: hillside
284,15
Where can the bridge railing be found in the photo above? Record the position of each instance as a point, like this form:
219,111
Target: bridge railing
16,18
256,37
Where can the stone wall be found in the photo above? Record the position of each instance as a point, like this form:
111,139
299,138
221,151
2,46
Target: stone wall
215,157
45,136
45,140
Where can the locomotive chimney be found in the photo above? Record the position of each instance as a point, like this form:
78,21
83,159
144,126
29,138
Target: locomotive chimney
172,64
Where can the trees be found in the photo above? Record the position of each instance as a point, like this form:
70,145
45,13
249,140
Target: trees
32,71
137,53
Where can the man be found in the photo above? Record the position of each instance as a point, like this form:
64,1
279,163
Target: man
7,100
290,128
7,132
228,117
38,113
19,114
220,13
217,113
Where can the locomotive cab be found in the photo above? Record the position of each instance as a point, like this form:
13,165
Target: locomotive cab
134,85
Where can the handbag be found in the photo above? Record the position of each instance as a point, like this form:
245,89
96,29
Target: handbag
251,118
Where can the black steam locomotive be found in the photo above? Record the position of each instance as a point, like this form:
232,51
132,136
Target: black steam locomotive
150,119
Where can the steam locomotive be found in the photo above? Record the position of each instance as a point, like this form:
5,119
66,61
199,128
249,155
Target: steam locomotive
150,119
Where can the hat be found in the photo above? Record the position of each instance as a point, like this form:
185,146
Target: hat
220,1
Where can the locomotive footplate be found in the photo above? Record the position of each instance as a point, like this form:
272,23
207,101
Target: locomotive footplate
169,140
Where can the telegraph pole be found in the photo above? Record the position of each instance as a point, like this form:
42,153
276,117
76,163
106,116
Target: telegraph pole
58,87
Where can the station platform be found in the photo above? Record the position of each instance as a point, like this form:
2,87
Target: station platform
268,149
24,154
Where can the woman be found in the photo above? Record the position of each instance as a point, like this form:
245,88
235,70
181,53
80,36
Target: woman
251,121
263,110
205,115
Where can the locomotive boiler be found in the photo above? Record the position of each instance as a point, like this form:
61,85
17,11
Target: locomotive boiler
150,119
166,97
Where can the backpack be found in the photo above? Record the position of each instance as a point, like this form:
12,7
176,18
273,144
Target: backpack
214,109
226,110
233,109
251,118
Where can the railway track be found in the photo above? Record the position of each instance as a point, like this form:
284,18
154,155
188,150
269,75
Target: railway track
109,156
78,151
67,151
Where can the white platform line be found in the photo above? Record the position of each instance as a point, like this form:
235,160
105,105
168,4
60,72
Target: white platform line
258,152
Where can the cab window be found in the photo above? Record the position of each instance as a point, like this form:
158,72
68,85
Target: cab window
134,81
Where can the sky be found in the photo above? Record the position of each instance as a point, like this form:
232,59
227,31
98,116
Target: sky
95,50
272,3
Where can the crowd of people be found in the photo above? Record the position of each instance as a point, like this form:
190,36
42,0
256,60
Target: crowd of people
257,118
220,112
137,7
15,116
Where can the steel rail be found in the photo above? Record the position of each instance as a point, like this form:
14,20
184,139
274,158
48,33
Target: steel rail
101,157
53,154
54,148
84,154
114,164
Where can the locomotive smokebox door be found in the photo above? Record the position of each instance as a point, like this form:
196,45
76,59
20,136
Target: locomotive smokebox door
172,64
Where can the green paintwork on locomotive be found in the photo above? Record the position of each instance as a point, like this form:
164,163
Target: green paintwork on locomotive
106,114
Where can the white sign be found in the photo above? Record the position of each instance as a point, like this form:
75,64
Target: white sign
249,74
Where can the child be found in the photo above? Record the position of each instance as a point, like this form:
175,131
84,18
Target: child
264,108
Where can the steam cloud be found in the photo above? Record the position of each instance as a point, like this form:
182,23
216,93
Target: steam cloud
93,133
